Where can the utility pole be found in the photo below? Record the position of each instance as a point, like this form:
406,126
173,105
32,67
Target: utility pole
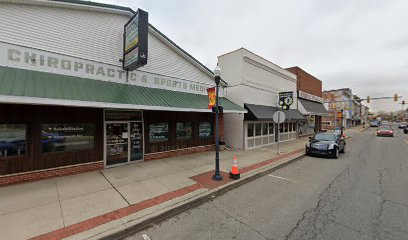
403,110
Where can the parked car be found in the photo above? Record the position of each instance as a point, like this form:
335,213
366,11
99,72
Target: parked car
402,125
406,130
374,124
384,123
385,131
326,144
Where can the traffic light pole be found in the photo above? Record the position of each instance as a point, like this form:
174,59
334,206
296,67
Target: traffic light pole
403,108
365,99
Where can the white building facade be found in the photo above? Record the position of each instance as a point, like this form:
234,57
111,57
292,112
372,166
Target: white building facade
65,100
254,83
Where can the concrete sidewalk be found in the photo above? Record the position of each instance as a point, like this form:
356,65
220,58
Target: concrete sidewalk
65,206
97,204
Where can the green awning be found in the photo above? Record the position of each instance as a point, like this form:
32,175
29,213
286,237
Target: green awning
26,86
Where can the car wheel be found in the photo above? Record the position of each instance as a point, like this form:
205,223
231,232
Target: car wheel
336,153
344,149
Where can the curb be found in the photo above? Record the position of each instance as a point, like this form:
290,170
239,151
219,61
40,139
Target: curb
161,215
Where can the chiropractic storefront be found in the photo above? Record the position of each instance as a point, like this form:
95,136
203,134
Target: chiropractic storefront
67,105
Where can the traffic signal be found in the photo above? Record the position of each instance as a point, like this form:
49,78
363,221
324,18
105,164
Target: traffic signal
395,97
368,99
403,102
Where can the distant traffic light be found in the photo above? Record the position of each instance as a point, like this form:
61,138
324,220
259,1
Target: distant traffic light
368,99
395,97
403,102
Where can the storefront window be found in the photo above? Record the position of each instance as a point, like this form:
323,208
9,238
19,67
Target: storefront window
271,126
184,131
12,140
281,128
290,127
264,129
258,129
67,137
285,126
294,126
250,129
205,129
158,132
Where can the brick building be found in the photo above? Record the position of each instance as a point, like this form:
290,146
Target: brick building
310,101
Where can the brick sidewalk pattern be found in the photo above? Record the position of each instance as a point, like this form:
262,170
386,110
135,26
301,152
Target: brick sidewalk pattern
203,180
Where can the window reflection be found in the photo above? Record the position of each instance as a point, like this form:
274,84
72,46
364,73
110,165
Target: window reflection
12,140
184,130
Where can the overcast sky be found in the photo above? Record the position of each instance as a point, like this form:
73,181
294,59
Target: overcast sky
360,44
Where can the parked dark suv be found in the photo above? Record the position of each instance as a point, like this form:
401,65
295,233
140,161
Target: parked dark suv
326,144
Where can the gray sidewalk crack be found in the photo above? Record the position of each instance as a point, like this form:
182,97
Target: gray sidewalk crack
397,203
348,227
240,221
59,202
113,186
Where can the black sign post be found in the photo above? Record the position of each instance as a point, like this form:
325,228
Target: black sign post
135,38
285,100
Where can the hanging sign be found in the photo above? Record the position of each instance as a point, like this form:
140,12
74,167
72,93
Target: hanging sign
211,97
135,41
285,100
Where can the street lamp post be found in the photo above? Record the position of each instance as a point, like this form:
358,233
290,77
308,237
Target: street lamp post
217,77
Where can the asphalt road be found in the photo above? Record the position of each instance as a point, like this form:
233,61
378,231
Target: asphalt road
361,195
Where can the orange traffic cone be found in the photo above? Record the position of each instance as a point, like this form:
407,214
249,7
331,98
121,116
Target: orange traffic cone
234,174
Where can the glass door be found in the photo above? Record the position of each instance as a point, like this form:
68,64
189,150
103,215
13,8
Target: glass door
136,141
117,143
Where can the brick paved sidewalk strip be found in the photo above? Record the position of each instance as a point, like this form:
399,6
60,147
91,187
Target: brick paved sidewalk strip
114,215
267,162
204,181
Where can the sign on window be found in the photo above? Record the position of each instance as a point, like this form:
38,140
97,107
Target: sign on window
67,137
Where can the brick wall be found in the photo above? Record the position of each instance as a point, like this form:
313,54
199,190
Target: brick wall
306,82
180,152
50,173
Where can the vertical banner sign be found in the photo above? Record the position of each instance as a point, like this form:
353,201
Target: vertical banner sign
135,41
285,100
211,97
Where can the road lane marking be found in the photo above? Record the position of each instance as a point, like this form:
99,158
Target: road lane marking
287,179
145,237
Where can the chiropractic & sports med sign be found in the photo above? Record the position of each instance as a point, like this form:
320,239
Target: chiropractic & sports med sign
43,61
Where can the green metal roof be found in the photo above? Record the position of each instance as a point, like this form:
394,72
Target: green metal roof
42,85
